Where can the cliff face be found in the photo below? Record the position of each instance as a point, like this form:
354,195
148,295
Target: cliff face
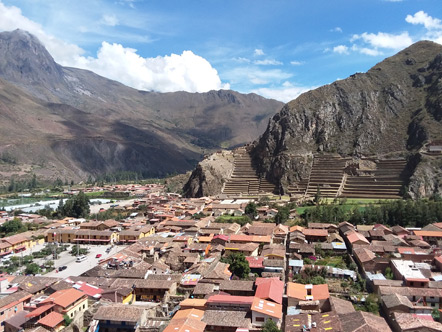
392,109
209,176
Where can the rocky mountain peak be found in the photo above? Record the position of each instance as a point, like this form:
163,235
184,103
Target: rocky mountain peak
25,59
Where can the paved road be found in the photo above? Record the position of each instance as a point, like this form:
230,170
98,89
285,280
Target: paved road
96,208
77,268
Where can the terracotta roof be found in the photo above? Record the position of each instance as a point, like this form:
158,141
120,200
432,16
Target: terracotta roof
267,308
428,233
230,299
341,306
299,291
185,325
355,236
51,320
315,232
270,289
407,321
363,321
194,303
296,228
255,262
65,297
41,309
189,313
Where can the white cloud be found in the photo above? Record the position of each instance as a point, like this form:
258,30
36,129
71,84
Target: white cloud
297,63
188,71
426,20
370,51
385,40
241,60
268,62
185,72
285,93
110,20
336,29
340,49
255,75
258,52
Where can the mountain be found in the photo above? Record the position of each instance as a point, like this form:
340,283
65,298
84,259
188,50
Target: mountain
70,123
394,109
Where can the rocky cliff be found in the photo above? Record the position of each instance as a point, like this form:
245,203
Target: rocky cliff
393,109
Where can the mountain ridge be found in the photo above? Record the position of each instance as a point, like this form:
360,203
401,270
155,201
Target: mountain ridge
149,132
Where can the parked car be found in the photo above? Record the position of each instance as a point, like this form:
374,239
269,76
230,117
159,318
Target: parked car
98,255
108,250
81,258
63,267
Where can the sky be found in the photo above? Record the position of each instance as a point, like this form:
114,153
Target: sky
275,48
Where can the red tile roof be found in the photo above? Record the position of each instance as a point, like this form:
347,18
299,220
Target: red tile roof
270,289
51,320
65,297
428,233
315,232
355,236
41,309
230,299
255,262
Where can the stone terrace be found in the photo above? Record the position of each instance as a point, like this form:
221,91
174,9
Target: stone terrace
244,179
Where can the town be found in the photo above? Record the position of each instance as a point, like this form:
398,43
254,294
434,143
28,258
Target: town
161,262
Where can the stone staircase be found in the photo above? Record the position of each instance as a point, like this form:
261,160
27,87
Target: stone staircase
244,179
385,181
327,173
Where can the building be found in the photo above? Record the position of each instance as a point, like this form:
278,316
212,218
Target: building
68,301
299,292
119,318
13,304
263,310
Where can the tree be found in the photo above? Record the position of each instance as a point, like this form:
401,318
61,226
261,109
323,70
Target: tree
317,198
13,226
67,320
77,206
270,326
283,215
32,268
238,264
371,304
388,273
250,210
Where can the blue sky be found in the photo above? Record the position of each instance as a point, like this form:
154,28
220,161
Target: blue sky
275,48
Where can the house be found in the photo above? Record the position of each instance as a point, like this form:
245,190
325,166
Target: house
237,287
193,303
119,318
432,237
13,304
296,265
269,289
406,322
226,321
147,290
53,321
314,322
120,295
187,324
263,310
315,235
248,249
229,302
354,238
363,321
68,301
255,264
299,292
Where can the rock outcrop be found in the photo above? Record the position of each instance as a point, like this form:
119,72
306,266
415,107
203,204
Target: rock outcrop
393,109
210,175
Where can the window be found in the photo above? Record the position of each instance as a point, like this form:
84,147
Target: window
259,319
84,306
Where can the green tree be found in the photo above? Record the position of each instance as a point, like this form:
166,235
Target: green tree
388,273
317,198
238,264
13,226
270,326
32,268
67,320
283,215
77,206
251,210
371,304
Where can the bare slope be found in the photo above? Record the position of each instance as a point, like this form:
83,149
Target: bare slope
70,122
